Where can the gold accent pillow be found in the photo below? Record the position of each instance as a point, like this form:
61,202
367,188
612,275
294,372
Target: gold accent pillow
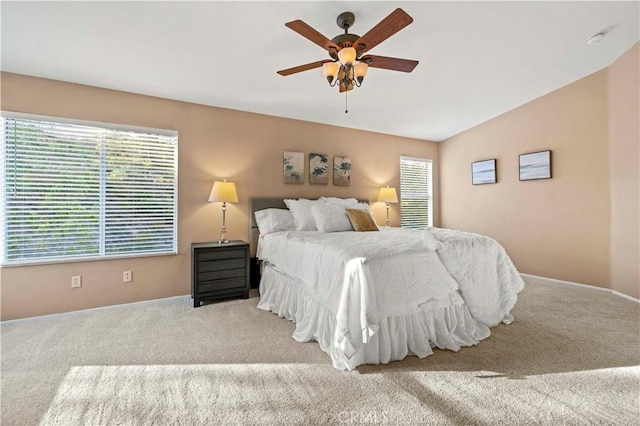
361,220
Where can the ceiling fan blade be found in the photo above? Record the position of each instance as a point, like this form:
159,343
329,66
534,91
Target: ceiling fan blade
309,33
387,63
397,20
304,67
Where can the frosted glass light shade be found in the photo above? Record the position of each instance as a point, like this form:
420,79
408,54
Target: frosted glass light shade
223,192
388,195
347,55
360,69
330,69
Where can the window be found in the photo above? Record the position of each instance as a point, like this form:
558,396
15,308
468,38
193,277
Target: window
74,191
416,189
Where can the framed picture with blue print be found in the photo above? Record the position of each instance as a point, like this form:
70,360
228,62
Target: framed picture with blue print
318,169
293,167
483,172
341,171
535,165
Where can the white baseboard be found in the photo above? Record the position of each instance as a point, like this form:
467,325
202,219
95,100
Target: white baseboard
586,286
98,308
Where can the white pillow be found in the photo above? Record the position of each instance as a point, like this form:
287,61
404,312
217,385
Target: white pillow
332,217
301,211
273,220
341,201
347,203
361,206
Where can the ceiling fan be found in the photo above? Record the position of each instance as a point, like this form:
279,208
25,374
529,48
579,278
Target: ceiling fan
347,66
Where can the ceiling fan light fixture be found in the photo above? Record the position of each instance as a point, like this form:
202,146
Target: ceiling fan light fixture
330,70
360,69
347,55
347,67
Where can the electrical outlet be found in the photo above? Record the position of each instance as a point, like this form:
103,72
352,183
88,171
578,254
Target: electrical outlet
127,277
76,281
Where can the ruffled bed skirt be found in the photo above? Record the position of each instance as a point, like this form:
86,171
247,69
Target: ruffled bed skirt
445,323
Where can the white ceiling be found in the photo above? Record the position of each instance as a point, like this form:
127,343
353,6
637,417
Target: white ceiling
477,59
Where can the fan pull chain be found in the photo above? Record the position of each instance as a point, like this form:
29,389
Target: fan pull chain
346,109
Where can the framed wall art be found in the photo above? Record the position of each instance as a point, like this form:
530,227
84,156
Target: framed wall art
293,167
341,171
318,169
483,172
535,165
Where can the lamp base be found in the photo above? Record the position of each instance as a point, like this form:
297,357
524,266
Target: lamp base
388,220
223,230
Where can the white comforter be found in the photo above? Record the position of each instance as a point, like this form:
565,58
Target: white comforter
365,276
361,276
488,280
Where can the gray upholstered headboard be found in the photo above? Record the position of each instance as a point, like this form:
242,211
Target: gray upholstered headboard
256,204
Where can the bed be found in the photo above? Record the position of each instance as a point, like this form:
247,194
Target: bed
376,297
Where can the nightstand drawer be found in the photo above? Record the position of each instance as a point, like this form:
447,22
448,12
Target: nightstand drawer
221,265
216,285
217,275
219,255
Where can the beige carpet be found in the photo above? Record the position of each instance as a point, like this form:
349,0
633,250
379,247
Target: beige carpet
571,357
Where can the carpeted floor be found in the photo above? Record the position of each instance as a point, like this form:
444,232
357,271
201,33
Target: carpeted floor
571,357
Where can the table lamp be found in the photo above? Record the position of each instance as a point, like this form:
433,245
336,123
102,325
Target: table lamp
224,192
388,195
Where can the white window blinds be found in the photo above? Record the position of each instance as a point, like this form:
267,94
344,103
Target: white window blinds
77,191
416,189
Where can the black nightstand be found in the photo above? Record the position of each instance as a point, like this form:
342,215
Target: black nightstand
219,271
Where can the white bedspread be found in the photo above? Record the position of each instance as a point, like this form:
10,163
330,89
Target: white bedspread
360,281
488,280
361,276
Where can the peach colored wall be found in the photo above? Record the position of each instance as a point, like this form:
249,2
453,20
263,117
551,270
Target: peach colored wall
559,227
214,143
623,78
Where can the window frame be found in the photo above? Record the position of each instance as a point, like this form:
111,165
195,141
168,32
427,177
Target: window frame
102,189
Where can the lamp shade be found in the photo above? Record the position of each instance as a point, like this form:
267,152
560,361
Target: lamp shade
330,69
360,69
347,55
223,192
388,195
